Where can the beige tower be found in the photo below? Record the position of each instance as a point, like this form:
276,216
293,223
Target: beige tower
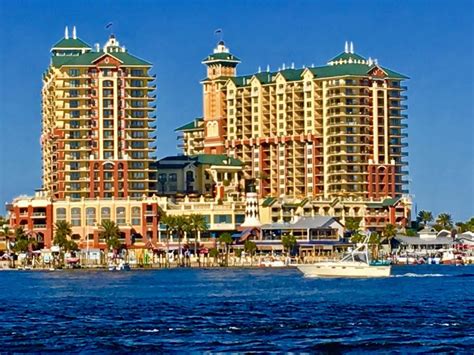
97,122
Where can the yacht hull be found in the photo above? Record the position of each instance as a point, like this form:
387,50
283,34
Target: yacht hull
344,269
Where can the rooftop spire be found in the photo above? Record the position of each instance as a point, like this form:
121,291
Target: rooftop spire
66,33
351,50
74,32
346,47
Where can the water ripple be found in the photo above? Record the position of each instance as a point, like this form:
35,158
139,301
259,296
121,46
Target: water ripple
422,309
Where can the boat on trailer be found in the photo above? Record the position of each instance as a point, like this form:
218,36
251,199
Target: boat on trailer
355,264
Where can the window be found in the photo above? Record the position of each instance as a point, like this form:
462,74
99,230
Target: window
120,216
108,83
75,114
74,83
137,93
60,214
74,72
136,216
137,83
222,218
138,114
239,218
105,213
107,92
90,216
75,217
137,72
172,177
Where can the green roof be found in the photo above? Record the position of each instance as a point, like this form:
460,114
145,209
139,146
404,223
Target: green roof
268,201
193,125
89,57
347,56
71,43
226,57
390,201
216,159
326,71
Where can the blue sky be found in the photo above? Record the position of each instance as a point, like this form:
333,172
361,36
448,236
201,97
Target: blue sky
430,41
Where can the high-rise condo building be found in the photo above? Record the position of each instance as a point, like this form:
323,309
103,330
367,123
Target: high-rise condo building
97,132
333,131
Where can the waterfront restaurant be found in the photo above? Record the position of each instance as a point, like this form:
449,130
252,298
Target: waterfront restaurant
315,235
426,242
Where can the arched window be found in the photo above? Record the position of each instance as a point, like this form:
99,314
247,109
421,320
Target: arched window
60,214
105,214
120,216
90,216
75,217
136,216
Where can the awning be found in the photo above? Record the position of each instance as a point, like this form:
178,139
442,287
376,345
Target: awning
242,236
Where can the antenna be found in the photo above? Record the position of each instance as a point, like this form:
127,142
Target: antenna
66,33
74,32
220,34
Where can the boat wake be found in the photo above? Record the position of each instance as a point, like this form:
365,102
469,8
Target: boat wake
411,274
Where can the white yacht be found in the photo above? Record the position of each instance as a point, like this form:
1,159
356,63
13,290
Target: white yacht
355,264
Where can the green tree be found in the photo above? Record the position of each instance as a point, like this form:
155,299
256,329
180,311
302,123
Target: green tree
111,233
225,239
424,217
389,232
62,234
214,253
374,242
289,242
21,241
250,247
444,221
353,227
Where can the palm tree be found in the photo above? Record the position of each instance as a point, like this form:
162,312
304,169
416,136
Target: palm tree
21,241
111,233
445,221
197,224
375,241
289,242
170,223
425,217
63,232
226,240
389,232
250,248
353,227
182,225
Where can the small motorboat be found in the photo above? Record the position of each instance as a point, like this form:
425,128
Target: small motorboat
356,264
122,266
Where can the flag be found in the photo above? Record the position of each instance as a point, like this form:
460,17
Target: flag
108,25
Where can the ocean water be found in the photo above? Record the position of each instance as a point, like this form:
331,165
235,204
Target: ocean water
419,309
